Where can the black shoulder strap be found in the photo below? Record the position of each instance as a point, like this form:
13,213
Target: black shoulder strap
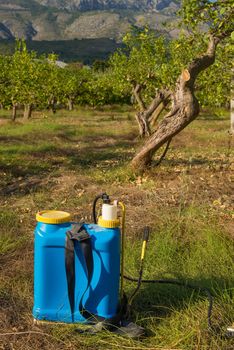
79,233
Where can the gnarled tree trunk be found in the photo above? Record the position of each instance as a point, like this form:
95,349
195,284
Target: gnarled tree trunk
27,111
143,125
14,112
52,104
145,115
232,106
185,108
232,116
70,104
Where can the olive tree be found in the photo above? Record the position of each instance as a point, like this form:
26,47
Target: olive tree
74,84
4,81
217,15
141,70
25,78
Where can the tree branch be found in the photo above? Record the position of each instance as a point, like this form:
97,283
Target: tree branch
159,98
136,92
164,153
153,119
201,63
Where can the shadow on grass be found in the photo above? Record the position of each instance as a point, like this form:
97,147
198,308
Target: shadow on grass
190,162
90,156
87,155
18,169
211,118
11,139
161,300
21,178
35,164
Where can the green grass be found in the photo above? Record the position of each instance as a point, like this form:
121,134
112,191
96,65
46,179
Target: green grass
10,238
187,245
33,143
186,202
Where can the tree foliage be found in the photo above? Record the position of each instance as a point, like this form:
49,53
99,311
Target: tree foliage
154,63
217,15
27,79
148,64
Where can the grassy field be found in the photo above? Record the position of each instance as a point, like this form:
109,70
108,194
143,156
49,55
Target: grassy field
62,162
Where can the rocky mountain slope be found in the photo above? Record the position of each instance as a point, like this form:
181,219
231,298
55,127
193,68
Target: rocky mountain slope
79,19
91,5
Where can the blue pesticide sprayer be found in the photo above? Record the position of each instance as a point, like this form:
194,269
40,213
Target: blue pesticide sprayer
77,266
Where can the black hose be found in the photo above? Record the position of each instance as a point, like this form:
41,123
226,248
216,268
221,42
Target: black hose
179,283
94,208
105,199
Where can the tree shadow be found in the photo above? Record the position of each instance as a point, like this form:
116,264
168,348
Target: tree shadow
18,169
10,139
190,162
160,300
25,185
213,117
27,170
86,155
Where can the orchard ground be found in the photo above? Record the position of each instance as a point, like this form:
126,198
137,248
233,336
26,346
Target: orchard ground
62,162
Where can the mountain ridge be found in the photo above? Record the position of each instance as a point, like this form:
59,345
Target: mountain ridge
92,5
81,19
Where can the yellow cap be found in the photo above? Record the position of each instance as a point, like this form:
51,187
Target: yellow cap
108,223
53,217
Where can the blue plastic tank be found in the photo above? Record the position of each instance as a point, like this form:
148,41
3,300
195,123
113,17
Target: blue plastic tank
51,302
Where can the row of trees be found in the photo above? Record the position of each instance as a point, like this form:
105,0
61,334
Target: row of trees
149,63
166,80
39,82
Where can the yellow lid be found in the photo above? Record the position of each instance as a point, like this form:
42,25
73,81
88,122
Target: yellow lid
53,217
108,223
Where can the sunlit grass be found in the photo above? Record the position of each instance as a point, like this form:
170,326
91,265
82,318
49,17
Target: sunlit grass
10,237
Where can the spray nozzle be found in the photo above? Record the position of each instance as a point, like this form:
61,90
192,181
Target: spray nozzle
106,198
